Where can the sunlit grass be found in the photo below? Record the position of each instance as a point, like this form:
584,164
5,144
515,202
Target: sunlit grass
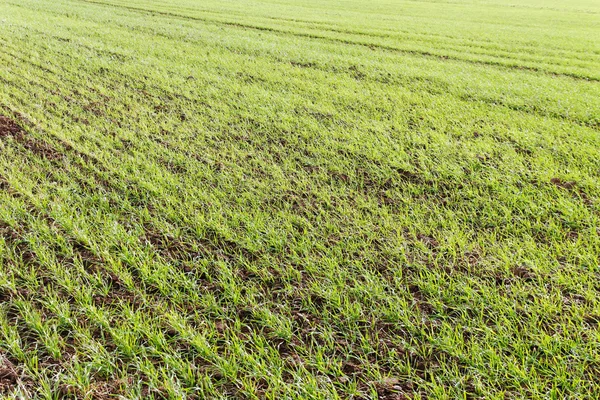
288,199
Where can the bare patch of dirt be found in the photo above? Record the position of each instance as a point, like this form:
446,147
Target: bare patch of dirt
562,183
8,127
10,377
523,272
592,320
42,149
394,389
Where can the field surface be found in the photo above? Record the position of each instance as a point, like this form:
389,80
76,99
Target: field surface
300,199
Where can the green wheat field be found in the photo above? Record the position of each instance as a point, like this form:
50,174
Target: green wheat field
299,199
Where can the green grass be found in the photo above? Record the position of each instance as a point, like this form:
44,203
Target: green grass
300,199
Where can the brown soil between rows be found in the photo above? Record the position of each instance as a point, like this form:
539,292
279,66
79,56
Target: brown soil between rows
8,127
